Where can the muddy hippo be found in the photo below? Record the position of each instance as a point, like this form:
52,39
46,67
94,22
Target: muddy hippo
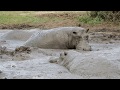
87,65
23,35
60,38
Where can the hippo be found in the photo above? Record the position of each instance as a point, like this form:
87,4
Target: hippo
61,38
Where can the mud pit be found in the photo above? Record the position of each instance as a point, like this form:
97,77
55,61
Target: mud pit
35,64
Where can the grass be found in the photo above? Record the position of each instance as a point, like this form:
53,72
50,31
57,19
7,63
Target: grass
89,20
8,18
35,19
26,17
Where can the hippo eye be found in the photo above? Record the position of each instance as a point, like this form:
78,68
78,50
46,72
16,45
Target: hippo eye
74,32
65,53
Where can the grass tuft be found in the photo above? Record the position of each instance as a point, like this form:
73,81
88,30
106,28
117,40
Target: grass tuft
89,20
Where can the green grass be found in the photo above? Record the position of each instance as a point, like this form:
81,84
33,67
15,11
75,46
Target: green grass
89,20
22,17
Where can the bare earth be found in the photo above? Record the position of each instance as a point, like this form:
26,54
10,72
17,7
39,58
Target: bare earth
36,65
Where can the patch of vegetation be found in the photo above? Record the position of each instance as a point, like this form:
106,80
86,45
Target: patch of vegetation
37,19
9,18
112,16
90,20
41,19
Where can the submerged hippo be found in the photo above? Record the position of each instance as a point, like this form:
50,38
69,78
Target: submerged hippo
88,65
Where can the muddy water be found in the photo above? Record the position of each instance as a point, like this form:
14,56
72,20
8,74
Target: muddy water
36,64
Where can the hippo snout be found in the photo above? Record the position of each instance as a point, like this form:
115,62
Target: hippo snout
87,49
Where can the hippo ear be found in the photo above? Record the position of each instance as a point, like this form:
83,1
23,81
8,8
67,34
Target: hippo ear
87,30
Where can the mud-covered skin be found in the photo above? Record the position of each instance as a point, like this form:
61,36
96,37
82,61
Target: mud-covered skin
60,38
63,59
88,64
18,35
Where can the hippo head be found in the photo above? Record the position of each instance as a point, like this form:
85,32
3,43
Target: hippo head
80,39
67,57
84,43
